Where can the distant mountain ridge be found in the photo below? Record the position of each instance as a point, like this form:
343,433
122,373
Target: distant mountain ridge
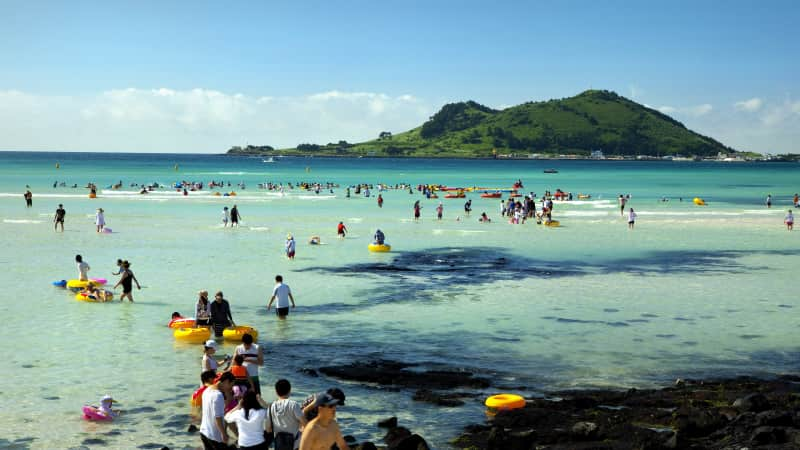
593,120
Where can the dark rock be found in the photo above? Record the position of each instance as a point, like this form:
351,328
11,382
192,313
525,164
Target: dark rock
308,371
395,436
93,441
694,422
585,430
350,439
192,429
752,403
152,445
775,418
768,435
438,398
393,373
365,446
388,423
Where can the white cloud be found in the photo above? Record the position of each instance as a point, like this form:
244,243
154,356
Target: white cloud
751,105
692,111
788,111
199,120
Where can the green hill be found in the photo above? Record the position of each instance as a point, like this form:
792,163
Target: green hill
592,120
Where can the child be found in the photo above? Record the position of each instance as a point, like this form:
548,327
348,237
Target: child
239,370
105,407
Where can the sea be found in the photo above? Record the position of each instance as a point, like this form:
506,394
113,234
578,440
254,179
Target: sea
690,292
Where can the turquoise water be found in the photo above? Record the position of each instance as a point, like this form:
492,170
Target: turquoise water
691,292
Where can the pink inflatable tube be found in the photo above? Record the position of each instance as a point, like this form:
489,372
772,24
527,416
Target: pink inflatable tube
92,413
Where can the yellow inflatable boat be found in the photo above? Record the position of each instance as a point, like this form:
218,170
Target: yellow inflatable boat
236,333
196,335
81,297
379,247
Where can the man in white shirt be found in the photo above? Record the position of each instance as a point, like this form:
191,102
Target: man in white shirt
83,268
253,359
213,433
283,294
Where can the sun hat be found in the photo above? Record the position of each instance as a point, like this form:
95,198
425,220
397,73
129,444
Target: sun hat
106,398
211,344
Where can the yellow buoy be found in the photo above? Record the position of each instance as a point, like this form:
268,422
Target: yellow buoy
699,201
505,402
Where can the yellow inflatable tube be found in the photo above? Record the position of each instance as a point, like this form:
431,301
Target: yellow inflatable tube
236,333
379,247
83,284
699,201
195,335
505,402
552,223
81,297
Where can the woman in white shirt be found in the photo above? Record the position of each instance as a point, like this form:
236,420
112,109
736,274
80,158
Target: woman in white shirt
209,363
631,218
250,417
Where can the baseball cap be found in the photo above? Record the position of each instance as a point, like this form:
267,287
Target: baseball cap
328,400
211,344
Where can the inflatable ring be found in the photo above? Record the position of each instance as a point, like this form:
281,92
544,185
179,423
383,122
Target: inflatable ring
381,248
81,297
182,322
60,283
195,335
83,284
92,413
236,333
552,223
505,402
92,195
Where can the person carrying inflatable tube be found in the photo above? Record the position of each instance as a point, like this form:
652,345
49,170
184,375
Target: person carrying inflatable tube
379,237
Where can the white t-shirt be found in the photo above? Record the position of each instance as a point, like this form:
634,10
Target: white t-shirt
225,215
286,417
289,245
209,363
631,216
251,429
83,267
99,219
281,293
252,352
213,407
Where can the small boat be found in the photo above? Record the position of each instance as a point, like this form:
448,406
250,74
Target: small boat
550,171
268,160
491,195
457,195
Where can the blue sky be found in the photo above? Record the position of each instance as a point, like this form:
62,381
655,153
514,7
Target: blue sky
201,76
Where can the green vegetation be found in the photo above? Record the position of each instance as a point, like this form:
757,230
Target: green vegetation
592,120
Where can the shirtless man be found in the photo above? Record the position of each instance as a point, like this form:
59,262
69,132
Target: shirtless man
322,432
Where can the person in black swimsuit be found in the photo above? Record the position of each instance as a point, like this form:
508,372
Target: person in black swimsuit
59,218
127,280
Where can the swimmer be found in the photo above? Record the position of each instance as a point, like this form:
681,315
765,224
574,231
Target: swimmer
92,292
379,237
380,201
290,246
105,407
225,216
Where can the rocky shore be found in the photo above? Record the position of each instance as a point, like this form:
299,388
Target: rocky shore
725,414
728,414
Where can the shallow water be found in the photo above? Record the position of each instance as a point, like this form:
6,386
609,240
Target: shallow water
691,292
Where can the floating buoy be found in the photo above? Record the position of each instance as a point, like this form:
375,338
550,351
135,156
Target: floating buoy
505,402
699,201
